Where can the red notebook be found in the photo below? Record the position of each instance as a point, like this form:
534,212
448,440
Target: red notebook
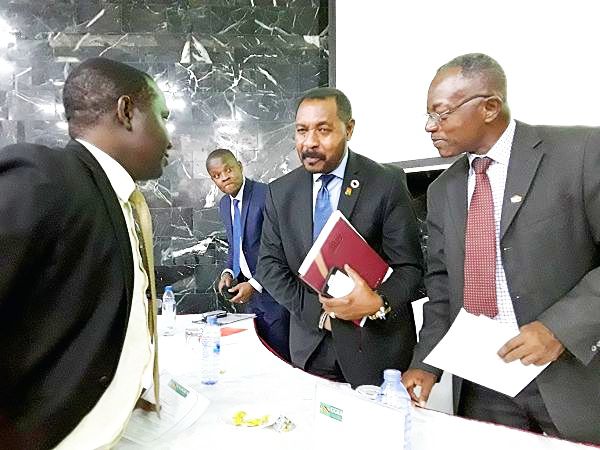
339,243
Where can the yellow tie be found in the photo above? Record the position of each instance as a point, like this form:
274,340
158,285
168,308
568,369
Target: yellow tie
141,214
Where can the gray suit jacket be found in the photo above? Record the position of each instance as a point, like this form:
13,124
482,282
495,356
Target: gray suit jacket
549,243
381,211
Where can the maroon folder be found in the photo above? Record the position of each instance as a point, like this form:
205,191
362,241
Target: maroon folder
339,243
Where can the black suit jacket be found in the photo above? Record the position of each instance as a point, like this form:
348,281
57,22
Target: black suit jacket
66,280
550,244
380,209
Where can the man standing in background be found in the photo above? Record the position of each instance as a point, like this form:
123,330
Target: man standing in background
241,210
514,233
77,332
324,339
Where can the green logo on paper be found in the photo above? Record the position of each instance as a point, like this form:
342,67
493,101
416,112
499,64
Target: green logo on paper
331,411
178,388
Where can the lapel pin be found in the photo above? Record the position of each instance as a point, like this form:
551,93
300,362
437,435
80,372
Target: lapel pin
354,184
516,199
348,191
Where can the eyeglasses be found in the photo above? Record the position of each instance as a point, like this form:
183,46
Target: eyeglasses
436,118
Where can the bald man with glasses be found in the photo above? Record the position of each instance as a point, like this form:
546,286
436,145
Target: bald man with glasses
514,234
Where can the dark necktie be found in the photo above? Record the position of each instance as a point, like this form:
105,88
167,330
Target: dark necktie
237,237
143,229
322,205
480,246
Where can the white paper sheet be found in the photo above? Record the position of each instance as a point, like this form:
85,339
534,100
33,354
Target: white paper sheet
469,350
181,406
339,284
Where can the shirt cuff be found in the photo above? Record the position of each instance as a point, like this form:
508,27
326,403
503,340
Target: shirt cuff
229,271
256,285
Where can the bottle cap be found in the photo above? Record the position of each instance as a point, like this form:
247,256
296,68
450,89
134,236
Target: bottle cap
392,375
211,320
169,288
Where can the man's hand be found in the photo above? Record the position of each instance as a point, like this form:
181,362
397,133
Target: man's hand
362,301
225,282
243,292
421,378
535,344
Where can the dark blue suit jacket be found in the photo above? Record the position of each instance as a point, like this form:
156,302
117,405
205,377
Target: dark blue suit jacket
253,205
272,319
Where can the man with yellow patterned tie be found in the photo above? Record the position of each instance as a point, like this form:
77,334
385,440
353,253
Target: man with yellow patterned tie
77,331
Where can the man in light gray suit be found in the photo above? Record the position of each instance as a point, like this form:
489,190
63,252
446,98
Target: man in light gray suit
545,185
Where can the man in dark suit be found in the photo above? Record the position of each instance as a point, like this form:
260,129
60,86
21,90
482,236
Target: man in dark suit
376,201
541,276
241,210
74,318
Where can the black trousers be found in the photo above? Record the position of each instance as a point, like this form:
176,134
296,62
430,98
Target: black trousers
324,362
525,411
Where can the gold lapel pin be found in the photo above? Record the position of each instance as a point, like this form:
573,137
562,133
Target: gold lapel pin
348,191
516,199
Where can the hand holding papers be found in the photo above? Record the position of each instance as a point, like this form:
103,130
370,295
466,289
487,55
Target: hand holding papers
470,350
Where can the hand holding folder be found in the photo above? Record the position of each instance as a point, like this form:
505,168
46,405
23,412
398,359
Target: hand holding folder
338,248
339,244
356,305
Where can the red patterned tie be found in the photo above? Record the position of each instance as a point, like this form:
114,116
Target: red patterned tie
480,246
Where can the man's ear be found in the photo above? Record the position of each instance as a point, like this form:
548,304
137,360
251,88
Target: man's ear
493,107
125,111
349,129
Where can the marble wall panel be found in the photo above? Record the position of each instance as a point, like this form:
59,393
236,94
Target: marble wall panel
231,71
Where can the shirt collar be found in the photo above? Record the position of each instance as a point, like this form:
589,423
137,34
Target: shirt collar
240,194
338,171
500,151
119,178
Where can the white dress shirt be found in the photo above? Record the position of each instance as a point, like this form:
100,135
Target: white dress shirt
244,268
497,171
335,185
104,424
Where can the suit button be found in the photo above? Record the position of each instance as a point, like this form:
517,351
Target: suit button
505,249
103,380
517,297
594,348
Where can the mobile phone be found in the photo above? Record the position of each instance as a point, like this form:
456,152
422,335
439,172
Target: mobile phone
337,283
226,294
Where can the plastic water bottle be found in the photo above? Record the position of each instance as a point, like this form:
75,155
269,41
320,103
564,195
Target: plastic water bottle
169,311
210,344
394,394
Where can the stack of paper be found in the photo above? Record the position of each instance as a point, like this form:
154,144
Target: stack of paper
470,350
181,407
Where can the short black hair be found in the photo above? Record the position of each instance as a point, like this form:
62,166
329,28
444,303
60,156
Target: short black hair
480,64
221,153
344,108
93,88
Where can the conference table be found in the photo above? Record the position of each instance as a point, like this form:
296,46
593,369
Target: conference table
252,376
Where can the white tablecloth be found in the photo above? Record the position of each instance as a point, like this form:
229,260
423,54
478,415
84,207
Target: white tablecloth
254,376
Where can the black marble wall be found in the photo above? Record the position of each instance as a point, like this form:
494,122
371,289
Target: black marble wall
230,69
